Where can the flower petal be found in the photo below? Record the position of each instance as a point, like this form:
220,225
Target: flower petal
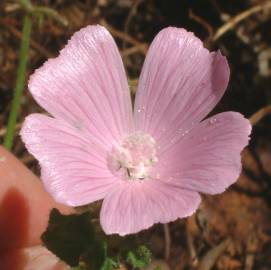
207,159
74,169
132,207
180,84
86,86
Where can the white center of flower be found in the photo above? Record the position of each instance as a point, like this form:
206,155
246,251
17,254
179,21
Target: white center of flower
133,158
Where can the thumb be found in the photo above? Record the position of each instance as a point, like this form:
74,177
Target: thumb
24,204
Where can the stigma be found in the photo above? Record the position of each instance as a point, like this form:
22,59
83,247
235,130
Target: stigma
133,158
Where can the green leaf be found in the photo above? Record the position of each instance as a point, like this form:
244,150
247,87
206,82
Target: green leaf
73,239
70,237
140,258
109,264
79,268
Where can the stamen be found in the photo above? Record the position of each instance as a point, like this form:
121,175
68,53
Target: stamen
133,158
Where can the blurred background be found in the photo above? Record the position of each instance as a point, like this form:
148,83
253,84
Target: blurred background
232,230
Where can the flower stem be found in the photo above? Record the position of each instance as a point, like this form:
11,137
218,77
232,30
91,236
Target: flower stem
20,82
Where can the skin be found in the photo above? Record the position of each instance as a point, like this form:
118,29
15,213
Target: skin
24,212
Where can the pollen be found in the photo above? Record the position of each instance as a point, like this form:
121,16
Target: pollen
133,158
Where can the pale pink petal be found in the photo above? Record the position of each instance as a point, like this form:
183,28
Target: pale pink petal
74,169
207,159
86,86
135,206
180,84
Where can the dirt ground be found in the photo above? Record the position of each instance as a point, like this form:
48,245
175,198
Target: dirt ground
230,231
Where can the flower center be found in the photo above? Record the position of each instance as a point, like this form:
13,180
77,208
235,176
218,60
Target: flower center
133,158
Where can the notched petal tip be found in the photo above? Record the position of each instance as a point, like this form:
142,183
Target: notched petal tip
30,121
59,195
66,159
221,75
90,64
88,34
109,230
244,123
174,34
212,160
177,65
241,131
221,58
85,34
129,210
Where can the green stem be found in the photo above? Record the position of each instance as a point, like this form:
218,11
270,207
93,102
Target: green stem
50,13
26,4
20,82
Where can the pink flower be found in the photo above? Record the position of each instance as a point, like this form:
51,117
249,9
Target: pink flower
148,164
